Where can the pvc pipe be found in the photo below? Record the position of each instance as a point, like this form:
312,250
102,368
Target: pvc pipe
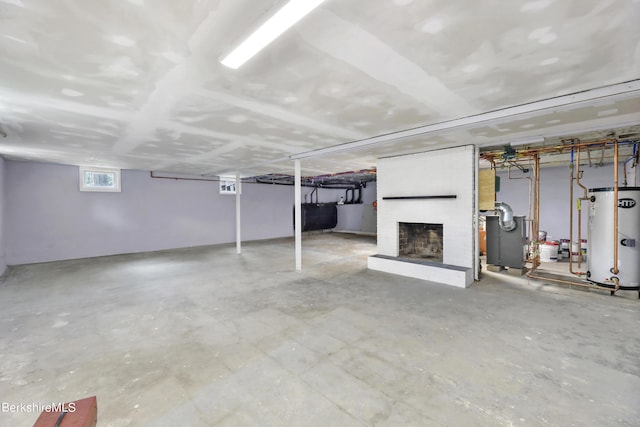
298,214
238,224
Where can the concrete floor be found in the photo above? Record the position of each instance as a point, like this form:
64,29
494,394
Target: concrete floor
202,337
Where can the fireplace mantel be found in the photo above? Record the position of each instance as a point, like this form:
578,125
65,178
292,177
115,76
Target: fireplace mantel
446,196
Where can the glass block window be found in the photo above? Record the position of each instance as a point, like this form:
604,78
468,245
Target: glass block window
99,179
228,185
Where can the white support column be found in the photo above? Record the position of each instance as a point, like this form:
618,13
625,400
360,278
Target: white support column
298,215
476,215
238,225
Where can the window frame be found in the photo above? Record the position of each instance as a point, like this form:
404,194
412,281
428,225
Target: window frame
117,187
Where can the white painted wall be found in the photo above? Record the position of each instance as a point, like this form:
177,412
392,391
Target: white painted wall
3,264
440,172
554,196
354,217
49,219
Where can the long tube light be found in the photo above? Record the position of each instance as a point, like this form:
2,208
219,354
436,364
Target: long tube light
280,22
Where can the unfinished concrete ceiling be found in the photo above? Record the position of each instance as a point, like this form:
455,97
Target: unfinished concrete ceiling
138,84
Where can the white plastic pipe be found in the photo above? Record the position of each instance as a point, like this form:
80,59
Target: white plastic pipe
238,225
298,215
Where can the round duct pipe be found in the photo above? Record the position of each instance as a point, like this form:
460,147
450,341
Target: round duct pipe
506,221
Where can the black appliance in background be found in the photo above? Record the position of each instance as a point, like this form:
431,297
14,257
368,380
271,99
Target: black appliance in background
318,216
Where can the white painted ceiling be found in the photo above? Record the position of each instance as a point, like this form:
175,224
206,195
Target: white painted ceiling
137,84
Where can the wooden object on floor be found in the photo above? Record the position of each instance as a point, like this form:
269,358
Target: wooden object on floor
483,242
80,413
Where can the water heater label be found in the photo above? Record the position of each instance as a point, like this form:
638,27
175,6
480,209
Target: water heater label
626,203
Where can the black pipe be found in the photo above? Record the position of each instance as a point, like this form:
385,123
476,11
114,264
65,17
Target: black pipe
305,184
359,201
348,200
315,190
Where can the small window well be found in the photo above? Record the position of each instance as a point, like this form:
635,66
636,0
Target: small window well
99,179
228,185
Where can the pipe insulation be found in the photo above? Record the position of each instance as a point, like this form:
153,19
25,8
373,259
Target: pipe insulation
506,221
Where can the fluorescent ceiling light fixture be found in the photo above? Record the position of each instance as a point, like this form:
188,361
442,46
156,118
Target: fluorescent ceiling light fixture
283,19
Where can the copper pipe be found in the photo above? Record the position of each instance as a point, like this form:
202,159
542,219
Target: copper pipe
525,160
579,222
536,214
615,269
573,177
616,287
561,148
568,282
571,168
584,197
579,177
549,149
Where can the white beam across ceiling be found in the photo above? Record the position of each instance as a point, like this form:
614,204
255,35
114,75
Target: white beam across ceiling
611,92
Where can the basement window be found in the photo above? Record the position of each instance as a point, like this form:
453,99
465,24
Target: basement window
228,185
99,179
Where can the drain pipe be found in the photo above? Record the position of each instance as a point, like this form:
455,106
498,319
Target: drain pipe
579,205
575,176
571,179
506,221
615,269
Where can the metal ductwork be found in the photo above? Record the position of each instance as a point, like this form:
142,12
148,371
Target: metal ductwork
506,221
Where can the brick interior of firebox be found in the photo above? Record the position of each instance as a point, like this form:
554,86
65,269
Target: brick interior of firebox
420,240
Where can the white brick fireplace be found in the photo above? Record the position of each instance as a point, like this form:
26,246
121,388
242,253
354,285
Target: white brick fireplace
435,191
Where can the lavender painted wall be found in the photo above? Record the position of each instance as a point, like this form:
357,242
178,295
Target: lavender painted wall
350,217
49,219
554,196
3,264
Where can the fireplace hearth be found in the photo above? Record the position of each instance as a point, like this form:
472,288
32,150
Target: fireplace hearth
420,241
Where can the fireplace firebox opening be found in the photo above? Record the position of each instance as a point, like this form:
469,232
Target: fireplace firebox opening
420,240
